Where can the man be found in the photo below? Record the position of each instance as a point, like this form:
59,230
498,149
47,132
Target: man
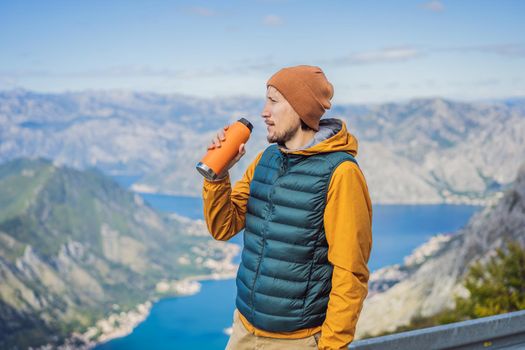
307,216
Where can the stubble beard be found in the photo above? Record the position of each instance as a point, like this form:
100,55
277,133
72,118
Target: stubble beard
285,136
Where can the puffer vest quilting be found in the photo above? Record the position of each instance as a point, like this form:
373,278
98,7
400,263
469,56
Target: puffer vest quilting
284,278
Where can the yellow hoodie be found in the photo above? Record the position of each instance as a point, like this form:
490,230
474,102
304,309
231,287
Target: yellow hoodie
348,230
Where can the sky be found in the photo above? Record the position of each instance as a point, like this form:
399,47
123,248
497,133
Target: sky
371,51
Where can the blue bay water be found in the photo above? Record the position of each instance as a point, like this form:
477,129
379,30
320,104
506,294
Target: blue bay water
198,321
189,322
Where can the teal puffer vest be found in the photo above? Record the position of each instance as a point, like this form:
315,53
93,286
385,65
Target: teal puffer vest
284,278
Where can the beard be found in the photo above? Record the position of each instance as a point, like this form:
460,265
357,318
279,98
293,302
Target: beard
284,136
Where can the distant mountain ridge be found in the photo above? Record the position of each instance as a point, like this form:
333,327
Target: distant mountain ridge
74,246
422,151
430,278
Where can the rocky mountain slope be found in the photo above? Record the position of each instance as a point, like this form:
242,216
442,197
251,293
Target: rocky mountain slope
428,280
75,246
420,151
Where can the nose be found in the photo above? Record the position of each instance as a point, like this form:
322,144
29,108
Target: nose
265,112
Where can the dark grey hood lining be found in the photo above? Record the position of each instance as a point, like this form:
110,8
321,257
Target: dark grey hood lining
327,128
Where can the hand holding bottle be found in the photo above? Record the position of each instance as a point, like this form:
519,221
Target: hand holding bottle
216,142
225,150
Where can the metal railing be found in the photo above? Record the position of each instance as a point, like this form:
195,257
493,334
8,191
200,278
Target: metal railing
505,331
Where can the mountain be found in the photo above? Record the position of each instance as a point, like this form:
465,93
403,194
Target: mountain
76,247
429,150
430,278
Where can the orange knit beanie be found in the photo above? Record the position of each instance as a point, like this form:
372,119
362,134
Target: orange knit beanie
306,89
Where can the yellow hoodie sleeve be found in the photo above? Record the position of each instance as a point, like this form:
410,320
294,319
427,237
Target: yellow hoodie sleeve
348,229
224,207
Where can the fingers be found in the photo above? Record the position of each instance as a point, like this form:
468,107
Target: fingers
216,142
242,151
221,136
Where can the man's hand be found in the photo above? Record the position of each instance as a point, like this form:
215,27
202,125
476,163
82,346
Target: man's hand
216,142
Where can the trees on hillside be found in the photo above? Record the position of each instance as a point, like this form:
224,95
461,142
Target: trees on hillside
495,287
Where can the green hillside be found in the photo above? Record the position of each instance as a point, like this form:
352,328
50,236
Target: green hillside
73,243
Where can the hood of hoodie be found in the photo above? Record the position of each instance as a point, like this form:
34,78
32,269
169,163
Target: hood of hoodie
331,137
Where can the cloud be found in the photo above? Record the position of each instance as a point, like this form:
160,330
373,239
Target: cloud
265,64
21,73
273,21
405,53
487,82
511,50
434,6
244,66
477,83
389,54
139,71
115,71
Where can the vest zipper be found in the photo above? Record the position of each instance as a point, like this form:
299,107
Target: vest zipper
284,164
282,170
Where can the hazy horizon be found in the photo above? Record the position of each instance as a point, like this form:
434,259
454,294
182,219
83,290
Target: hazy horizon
354,103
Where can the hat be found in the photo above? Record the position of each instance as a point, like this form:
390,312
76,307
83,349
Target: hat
306,89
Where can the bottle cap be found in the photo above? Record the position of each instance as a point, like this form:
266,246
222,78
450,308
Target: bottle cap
247,123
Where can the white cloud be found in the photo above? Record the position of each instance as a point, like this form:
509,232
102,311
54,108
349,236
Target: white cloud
511,50
405,53
389,54
272,21
142,71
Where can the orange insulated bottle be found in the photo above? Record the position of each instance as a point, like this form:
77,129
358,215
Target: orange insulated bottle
216,159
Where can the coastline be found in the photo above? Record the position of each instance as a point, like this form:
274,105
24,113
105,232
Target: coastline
121,324
118,325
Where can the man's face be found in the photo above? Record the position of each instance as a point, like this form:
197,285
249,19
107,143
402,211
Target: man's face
281,119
